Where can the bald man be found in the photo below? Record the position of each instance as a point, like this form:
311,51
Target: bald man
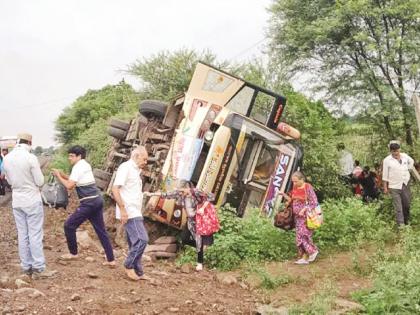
127,192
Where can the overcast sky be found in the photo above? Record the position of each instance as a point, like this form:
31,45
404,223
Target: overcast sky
53,51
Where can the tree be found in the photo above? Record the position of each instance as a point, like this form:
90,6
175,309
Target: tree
93,106
364,50
320,133
167,74
96,142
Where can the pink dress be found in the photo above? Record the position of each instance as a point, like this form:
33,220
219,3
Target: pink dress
303,198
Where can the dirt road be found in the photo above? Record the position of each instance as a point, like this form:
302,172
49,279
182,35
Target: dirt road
86,287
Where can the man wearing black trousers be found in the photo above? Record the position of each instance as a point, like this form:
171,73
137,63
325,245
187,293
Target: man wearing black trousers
91,204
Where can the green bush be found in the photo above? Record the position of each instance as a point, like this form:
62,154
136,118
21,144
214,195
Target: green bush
250,239
269,281
396,288
320,135
320,303
96,142
94,105
60,161
397,280
348,222
415,206
253,238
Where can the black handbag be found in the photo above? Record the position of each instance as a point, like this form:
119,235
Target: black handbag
187,238
54,194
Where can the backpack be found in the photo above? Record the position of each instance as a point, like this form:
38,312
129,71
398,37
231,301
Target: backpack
54,194
284,219
207,222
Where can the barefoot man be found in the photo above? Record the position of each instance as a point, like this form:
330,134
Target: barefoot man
127,192
91,204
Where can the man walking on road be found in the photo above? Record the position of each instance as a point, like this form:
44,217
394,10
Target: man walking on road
91,204
22,171
127,192
396,177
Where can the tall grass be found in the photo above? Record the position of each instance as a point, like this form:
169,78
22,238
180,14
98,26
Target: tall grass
396,288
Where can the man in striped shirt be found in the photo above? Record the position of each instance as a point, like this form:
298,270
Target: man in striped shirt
91,204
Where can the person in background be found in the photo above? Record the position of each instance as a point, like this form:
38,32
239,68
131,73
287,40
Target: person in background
127,192
4,151
378,175
396,178
302,197
345,163
368,181
6,186
23,172
2,188
190,198
357,171
91,204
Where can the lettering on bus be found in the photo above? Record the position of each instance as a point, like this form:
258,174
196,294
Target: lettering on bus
212,166
280,172
276,182
223,172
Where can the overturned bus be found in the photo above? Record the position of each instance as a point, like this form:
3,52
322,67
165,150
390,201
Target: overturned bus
224,134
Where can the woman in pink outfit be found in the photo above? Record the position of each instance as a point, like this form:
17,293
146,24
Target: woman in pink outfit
302,197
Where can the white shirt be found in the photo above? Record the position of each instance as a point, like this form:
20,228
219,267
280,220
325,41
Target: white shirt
396,173
346,163
82,174
24,175
128,178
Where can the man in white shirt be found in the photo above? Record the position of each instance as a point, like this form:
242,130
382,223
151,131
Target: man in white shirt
127,192
396,177
91,204
23,172
345,163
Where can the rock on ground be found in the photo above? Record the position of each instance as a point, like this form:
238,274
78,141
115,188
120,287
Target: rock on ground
155,255
165,240
169,248
270,310
85,241
227,279
31,292
20,283
343,306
